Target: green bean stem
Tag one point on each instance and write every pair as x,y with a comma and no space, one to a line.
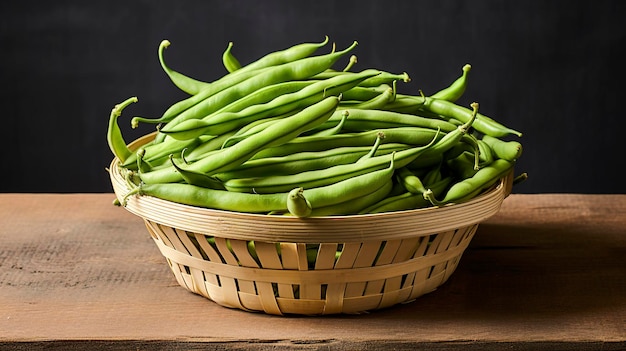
229,60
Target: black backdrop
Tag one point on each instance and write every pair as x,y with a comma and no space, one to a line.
552,69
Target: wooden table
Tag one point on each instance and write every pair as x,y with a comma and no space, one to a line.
548,272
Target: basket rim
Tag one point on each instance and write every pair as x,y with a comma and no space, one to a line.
340,228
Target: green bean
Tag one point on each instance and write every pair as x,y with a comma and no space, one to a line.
353,206
263,95
185,83
184,105
194,195
364,93
295,70
483,124
342,191
410,181
377,102
209,145
225,122
384,78
322,177
407,200
404,135
155,151
115,138
305,161
449,141
195,178
462,165
485,152
470,187
246,132
456,89
255,78
508,150
229,61
366,119
336,129
433,174
276,134
142,165
276,58
297,204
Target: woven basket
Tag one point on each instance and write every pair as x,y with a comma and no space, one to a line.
312,266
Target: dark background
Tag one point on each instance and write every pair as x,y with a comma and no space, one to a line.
553,69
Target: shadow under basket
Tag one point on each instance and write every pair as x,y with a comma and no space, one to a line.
313,266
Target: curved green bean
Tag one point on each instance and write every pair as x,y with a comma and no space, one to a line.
276,134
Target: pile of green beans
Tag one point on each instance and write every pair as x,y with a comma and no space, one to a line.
290,134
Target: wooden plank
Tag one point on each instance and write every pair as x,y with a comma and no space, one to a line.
547,270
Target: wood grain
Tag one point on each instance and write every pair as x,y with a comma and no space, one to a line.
548,271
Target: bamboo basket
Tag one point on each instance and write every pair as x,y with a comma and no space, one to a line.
312,266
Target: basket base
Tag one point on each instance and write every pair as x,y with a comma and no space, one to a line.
308,279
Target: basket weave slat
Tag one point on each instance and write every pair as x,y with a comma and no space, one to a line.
324,265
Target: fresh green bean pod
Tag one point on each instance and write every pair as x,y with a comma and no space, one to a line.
462,165
228,121
194,195
276,58
305,161
195,178
263,95
182,106
253,128
374,103
348,189
322,177
209,145
297,204
364,93
336,129
262,203
407,200
226,91
276,134
508,150
471,187
404,135
384,78
156,151
368,119
483,124
434,154
353,206
486,154
410,181
456,89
